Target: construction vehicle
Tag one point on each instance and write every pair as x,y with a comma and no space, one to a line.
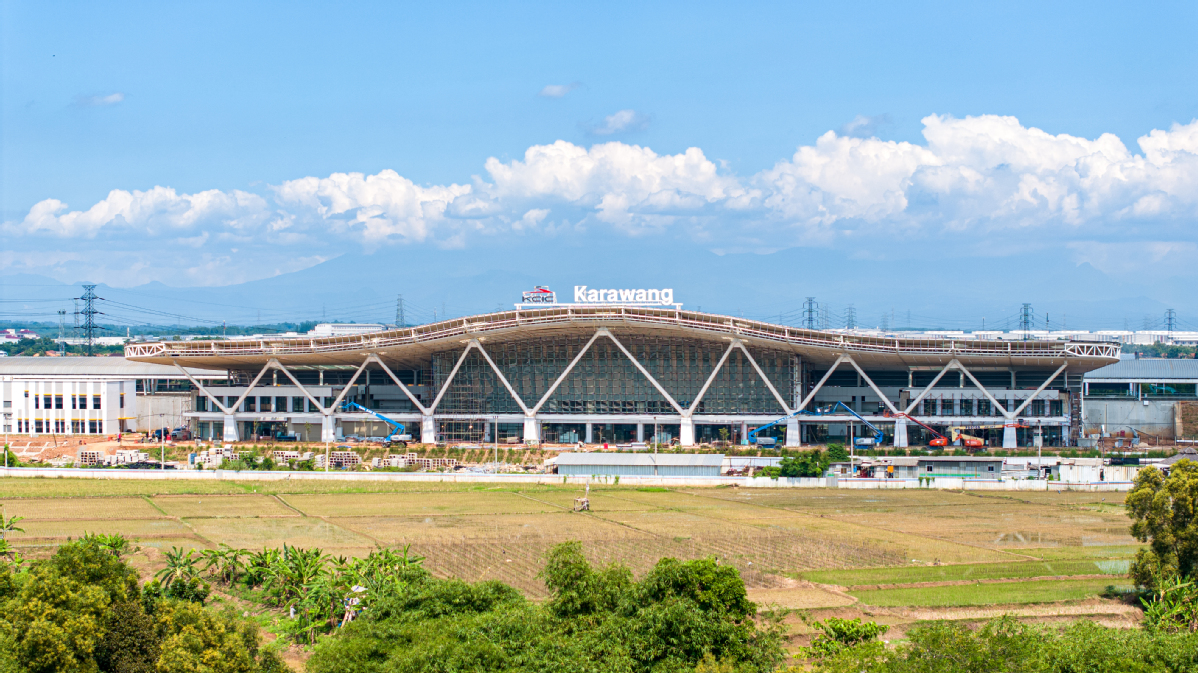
397,436
876,440
819,411
968,441
937,438
766,441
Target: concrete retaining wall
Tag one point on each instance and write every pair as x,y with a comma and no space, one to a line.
949,483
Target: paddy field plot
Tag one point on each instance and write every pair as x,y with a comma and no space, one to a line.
222,506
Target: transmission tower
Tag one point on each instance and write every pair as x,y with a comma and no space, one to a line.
809,313
1025,320
89,317
850,317
399,317
62,331
1170,320
825,318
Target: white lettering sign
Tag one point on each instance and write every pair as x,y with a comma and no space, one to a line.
585,295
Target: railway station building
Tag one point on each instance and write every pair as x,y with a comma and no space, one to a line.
613,369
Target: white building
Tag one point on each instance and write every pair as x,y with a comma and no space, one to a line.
93,396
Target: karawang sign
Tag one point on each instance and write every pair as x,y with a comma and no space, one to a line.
588,295
585,295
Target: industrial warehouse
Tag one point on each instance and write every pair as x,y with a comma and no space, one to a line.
622,367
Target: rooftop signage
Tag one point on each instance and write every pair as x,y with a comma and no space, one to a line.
586,295
539,295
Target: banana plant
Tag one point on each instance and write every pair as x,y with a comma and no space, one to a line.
180,565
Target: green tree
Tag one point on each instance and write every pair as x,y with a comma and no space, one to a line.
194,639
805,464
58,615
130,643
1164,511
577,589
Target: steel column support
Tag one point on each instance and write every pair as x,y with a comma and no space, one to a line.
298,385
502,379
636,363
873,387
562,377
914,403
794,430
781,402
204,390
1020,408
686,431
993,401
328,423
253,384
428,429
532,430
802,405
454,372
711,378
404,388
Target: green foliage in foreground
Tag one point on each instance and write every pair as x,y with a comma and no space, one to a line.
1012,647
82,611
682,615
1165,515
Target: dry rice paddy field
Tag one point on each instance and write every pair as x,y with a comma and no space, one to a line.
893,556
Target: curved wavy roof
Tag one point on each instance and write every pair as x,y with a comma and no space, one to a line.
413,345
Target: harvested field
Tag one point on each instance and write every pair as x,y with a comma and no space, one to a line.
295,531
418,504
61,530
222,506
81,508
67,487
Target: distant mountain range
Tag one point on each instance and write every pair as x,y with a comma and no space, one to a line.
938,292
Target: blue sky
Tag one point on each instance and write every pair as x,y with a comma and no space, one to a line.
245,114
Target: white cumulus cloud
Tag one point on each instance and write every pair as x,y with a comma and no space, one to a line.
976,178
100,100
623,121
157,210
557,90
384,205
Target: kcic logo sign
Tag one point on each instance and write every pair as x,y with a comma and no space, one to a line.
539,295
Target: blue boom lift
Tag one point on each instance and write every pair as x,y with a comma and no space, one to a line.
397,435
859,441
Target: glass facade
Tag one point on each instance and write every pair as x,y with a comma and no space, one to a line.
605,381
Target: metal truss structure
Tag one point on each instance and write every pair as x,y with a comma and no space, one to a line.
632,363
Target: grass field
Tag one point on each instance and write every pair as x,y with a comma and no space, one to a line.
973,571
1007,593
781,540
